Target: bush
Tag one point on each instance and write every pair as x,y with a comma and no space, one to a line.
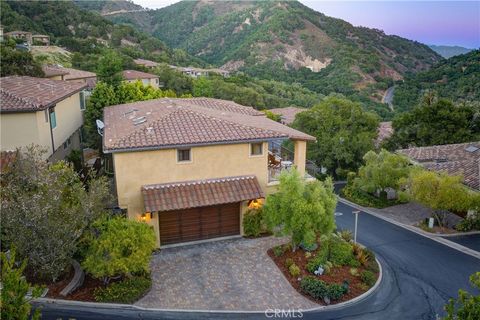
252,223
354,272
127,291
319,289
122,247
468,224
346,235
368,277
341,253
294,270
288,262
278,251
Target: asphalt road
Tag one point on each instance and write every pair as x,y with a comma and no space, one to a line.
420,275
470,241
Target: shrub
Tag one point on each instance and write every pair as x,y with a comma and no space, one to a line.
319,289
354,272
252,223
362,258
128,290
288,262
466,305
346,235
468,224
373,266
308,255
294,270
278,251
368,277
123,246
341,253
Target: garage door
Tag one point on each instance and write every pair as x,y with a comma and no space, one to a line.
199,223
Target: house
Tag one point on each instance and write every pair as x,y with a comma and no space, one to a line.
23,35
40,39
145,78
199,72
192,167
57,72
40,111
455,159
146,63
287,114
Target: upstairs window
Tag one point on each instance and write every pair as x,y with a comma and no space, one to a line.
256,149
184,155
53,118
82,100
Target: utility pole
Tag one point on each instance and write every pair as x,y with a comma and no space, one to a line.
356,224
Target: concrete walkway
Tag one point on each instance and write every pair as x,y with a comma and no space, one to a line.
223,275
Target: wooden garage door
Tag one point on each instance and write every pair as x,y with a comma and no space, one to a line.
199,223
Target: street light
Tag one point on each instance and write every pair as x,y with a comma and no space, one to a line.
356,212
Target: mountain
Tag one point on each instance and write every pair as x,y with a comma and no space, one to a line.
289,41
109,7
457,79
86,32
449,51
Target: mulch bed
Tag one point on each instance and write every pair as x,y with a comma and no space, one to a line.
336,275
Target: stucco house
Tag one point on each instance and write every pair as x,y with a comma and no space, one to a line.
145,78
287,114
57,72
146,63
40,111
191,167
199,72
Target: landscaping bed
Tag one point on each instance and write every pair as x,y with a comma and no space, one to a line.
349,269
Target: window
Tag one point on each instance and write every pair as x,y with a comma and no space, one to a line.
184,155
156,81
146,82
256,149
53,118
82,100
65,145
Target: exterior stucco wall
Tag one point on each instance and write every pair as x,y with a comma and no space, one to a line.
69,119
18,130
154,82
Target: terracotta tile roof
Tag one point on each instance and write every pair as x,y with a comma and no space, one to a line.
28,94
385,131
288,114
200,193
168,123
6,158
136,75
457,159
73,74
146,63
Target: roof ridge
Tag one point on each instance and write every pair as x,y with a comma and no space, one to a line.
194,182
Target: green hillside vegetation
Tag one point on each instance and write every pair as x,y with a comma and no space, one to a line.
107,6
449,51
457,79
280,40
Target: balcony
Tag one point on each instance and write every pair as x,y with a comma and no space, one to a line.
281,157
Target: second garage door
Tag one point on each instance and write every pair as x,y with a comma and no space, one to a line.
199,223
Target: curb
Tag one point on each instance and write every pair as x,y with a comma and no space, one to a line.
434,237
134,307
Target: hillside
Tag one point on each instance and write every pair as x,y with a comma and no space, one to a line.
449,51
286,40
86,32
457,78
108,7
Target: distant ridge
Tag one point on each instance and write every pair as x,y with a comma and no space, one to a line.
449,51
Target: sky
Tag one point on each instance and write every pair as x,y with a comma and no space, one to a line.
429,22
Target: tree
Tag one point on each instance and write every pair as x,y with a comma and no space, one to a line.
45,210
381,171
17,62
109,68
14,305
439,191
119,247
301,209
467,306
434,122
344,133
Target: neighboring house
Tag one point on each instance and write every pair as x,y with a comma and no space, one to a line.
146,63
57,72
287,114
23,35
191,167
199,72
385,131
455,159
145,78
42,112
42,39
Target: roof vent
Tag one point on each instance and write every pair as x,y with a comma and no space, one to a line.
149,130
139,121
130,113
471,149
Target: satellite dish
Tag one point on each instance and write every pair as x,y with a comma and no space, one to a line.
100,127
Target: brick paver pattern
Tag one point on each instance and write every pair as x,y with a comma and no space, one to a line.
234,274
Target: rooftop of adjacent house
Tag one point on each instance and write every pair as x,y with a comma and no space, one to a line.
462,158
69,73
146,63
287,114
385,131
135,75
29,94
168,123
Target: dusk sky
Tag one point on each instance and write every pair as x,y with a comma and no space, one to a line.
430,22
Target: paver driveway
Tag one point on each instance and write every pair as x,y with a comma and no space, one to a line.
232,274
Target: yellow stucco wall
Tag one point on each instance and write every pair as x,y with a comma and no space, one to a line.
23,129
153,82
